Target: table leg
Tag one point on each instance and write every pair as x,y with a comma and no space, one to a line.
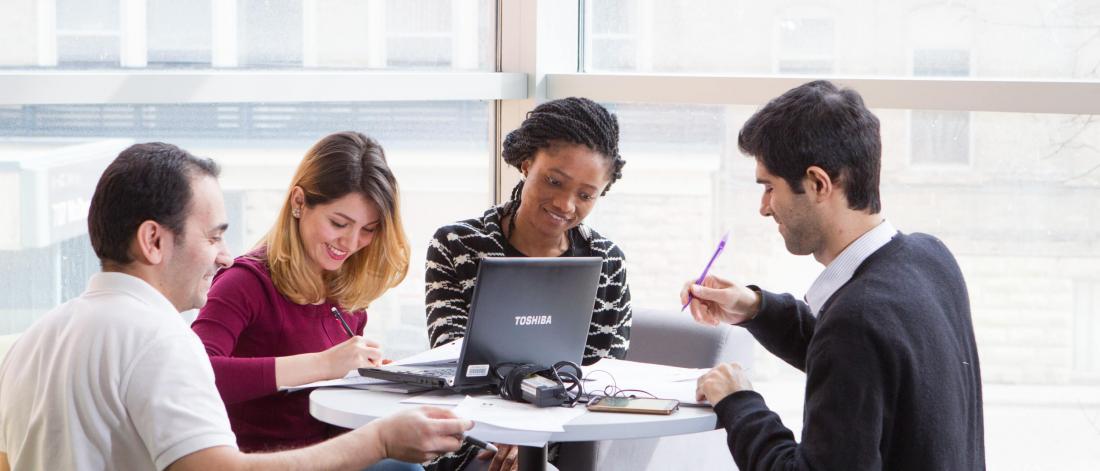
532,458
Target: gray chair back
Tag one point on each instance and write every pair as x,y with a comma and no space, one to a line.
673,338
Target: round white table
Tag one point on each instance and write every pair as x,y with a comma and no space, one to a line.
352,408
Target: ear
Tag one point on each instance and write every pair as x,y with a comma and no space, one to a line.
297,197
149,243
525,166
818,183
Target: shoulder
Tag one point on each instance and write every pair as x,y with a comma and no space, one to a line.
472,235
601,246
487,224
247,273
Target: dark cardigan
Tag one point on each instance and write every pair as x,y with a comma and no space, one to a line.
892,375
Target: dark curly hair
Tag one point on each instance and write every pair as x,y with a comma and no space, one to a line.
572,120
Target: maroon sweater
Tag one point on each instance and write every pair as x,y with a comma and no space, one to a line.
245,325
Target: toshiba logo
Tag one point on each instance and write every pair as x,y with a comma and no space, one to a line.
533,320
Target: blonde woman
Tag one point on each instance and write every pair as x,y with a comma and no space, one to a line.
337,243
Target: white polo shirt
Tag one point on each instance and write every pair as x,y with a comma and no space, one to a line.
113,379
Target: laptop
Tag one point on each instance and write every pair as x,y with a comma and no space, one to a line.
524,310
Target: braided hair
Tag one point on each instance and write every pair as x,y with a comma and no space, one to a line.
572,120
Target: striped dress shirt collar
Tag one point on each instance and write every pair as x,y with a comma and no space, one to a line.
844,266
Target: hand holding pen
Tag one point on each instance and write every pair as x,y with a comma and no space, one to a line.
717,252
355,352
718,300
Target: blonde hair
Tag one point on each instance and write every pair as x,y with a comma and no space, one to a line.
338,165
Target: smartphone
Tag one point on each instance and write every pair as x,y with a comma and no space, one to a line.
640,405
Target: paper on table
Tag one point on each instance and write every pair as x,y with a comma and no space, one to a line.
632,370
494,434
666,382
352,379
447,353
439,397
515,415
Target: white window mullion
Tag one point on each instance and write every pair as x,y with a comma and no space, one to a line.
133,40
376,34
309,33
223,44
464,37
47,33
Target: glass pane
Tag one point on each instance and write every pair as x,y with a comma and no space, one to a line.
1019,211
51,157
256,34
185,47
1039,39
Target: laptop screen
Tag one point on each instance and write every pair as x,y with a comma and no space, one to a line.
528,310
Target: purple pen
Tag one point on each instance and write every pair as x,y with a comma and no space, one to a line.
721,245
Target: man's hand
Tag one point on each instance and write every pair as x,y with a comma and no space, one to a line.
721,381
720,301
505,459
422,434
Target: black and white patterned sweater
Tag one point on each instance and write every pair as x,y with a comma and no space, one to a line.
457,249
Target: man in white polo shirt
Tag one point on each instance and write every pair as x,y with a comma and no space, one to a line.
115,379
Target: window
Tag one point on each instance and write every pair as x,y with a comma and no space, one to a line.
805,46
255,34
610,31
171,46
88,33
1086,329
53,155
940,137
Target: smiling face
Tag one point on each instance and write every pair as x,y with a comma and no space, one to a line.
200,252
799,223
333,231
562,185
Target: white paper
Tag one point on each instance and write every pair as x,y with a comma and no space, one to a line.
440,355
649,372
439,397
665,382
494,434
513,415
352,379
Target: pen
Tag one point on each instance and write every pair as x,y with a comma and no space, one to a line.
336,312
721,245
481,443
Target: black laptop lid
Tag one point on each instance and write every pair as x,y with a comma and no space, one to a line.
528,310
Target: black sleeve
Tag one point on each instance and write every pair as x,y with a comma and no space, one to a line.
847,386
609,331
784,326
445,300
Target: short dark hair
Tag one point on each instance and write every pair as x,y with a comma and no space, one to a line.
572,120
146,182
819,124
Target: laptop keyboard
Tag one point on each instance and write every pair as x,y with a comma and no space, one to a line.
438,371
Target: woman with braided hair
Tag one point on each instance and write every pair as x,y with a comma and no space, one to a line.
568,153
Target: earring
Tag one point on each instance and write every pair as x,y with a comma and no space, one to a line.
296,212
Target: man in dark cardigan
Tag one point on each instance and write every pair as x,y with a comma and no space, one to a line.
884,335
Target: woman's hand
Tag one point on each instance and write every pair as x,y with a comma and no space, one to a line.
505,459
353,353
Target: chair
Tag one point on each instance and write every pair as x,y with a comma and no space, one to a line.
671,338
